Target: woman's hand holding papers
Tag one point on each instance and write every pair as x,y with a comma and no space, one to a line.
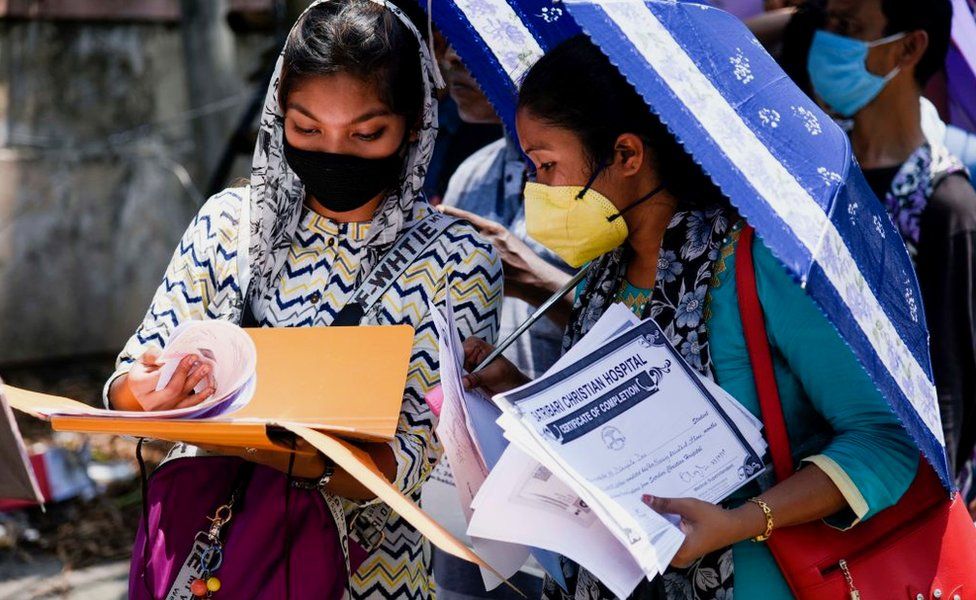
137,389
498,377
708,527
807,495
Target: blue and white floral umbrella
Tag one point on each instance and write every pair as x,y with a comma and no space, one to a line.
499,41
784,164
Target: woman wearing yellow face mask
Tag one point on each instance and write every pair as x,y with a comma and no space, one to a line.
613,188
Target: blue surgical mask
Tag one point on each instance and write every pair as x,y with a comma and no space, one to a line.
839,73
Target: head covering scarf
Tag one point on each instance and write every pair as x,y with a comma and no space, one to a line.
277,194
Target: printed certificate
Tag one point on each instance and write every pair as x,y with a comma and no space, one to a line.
632,418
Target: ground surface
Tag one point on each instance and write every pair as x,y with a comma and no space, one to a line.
77,549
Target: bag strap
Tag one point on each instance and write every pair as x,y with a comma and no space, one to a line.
394,263
760,357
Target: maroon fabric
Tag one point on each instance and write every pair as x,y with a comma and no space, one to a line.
183,492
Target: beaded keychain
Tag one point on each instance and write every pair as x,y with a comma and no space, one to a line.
211,554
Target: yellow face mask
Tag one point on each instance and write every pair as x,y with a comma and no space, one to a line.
577,223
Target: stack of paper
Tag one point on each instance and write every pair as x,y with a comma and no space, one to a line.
455,430
620,416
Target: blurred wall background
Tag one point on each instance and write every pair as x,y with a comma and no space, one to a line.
116,117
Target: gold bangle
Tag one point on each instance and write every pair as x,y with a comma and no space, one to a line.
768,513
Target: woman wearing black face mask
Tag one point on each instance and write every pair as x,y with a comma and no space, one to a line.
345,138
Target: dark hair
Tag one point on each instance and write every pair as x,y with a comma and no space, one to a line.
935,18
575,87
363,39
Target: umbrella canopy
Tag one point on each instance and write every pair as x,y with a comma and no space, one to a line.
782,162
743,9
499,41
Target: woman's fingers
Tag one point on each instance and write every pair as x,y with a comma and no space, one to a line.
175,385
483,225
683,507
472,381
195,399
475,351
177,391
686,554
197,374
499,375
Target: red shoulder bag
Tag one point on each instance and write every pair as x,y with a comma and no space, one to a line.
922,548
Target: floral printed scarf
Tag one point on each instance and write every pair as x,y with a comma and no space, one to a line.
912,187
691,247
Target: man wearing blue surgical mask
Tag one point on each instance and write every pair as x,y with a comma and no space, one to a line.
869,63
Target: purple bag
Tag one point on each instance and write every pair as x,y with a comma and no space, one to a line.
268,551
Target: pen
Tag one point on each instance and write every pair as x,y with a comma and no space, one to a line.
545,306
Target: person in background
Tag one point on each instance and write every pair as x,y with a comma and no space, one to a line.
486,190
457,137
869,63
959,142
462,129
788,34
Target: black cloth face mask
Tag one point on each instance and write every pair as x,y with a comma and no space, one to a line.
342,182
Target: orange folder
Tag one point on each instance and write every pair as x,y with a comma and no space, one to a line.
319,383
347,381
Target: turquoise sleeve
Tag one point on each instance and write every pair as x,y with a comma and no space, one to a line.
871,457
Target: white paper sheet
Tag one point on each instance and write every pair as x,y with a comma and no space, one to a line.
461,450
524,503
616,320
651,558
220,344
